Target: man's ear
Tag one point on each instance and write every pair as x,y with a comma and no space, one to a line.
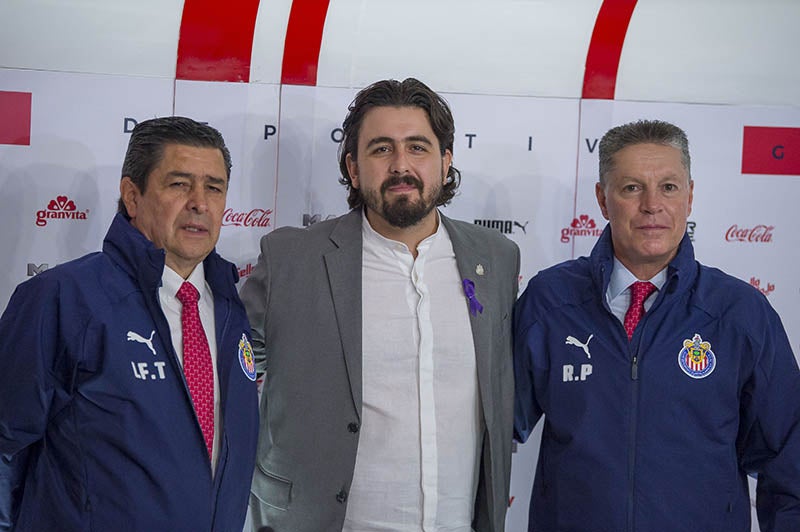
352,169
600,193
129,194
447,161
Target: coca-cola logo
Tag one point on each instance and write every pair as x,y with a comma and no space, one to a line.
580,226
252,218
759,233
767,289
60,208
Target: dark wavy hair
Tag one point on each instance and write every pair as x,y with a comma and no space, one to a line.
392,93
642,132
148,139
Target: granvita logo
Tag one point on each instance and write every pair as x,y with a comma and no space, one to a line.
580,226
61,208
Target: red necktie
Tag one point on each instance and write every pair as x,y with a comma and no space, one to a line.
640,290
197,362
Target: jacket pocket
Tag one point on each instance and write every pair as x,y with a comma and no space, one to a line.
271,489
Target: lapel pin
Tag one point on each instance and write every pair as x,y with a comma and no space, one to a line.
475,306
479,269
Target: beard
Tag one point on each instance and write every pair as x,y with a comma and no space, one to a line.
405,210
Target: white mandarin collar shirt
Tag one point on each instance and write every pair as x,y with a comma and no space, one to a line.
421,433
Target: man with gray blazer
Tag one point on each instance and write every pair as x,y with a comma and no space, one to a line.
385,338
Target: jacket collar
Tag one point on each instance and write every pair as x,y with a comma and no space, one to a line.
141,260
347,231
681,271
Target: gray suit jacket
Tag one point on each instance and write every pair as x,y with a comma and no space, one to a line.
304,304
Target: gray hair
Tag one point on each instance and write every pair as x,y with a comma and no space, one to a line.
642,132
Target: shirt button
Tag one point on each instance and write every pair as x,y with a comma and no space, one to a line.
352,427
341,496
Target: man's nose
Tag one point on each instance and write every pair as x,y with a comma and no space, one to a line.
399,162
198,199
651,201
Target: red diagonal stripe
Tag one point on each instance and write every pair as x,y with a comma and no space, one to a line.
15,118
216,40
605,49
303,42
771,150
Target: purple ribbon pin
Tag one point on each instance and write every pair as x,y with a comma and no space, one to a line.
475,306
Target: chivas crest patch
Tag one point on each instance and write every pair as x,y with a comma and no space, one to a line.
246,358
696,359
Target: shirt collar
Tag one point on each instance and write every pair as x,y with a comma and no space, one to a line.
622,278
375,240
172,282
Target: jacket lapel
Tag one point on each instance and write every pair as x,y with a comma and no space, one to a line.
471,260
343,265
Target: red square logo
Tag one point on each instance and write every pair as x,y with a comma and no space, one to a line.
15,118
771,150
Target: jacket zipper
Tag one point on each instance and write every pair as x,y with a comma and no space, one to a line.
634,422
632,438
222,459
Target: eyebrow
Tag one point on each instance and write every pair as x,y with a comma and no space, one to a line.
412,138
667,177
215,180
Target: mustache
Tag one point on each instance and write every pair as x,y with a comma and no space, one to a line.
401,180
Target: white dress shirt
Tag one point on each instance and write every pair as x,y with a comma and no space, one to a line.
170,284
618,293
421,433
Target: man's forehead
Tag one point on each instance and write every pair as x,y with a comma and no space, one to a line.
663,154
382,115
176,158
177,152
396,122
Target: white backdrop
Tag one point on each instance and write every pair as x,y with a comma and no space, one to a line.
525,139
528,164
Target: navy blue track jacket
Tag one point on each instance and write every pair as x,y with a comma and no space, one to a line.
98,432
657,434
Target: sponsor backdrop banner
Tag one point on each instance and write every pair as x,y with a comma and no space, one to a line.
247,116
528,164
59,185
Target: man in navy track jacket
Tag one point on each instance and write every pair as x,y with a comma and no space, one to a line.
663,382
107,420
